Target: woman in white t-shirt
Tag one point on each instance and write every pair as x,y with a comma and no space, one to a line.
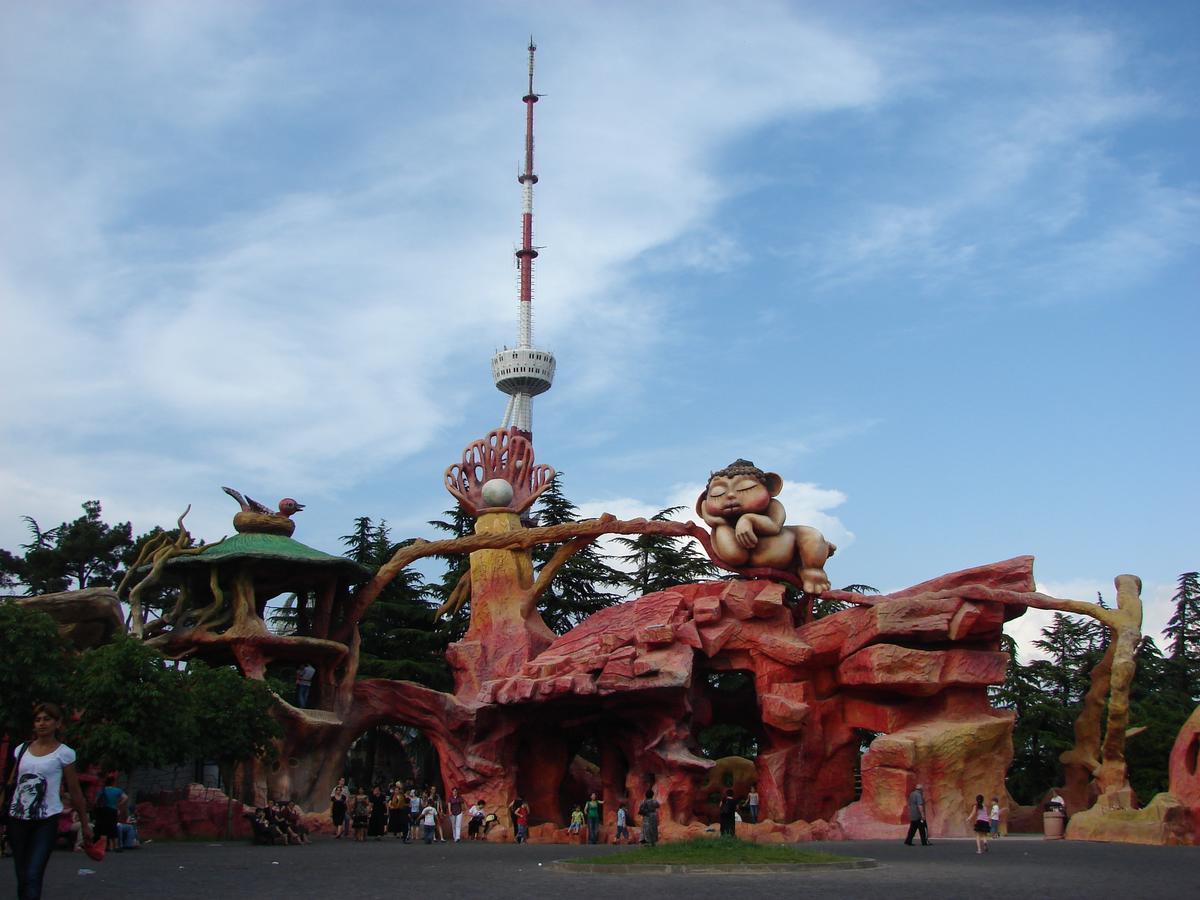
44,764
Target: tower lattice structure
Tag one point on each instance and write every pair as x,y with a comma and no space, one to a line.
524,372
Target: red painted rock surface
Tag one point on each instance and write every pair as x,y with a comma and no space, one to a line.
1185,763
635,681
638,682
203,813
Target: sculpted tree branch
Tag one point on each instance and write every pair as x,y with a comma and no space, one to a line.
158,551
458,596
532,537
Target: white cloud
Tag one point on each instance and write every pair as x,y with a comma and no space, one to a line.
177,289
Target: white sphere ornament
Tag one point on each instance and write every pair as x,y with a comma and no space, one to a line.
496,492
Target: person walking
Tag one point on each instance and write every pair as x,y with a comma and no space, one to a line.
42,767
982,827
622,824
648,810
729,807
592,811
916,817
455,806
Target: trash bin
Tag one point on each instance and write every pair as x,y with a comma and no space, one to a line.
1054,824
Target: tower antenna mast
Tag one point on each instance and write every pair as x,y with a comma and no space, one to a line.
524,372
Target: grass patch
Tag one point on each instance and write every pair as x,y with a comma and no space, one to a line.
711,851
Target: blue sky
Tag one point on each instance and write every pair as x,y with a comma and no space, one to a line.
935,263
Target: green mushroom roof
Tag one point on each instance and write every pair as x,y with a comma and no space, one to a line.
273,548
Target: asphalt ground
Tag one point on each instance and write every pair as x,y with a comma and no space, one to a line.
1015,868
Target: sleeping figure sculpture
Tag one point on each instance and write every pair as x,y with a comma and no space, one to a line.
739,506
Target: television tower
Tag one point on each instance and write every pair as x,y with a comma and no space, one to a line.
525,371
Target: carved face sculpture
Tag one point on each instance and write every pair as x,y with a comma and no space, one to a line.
739,489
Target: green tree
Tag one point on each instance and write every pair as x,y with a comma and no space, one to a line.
1183,631
1043,728
456,523
132,708
230,720
400,638
86,552
35,666
1158,703
579,588
659,561
1069,643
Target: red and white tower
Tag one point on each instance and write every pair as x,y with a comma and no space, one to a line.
525,371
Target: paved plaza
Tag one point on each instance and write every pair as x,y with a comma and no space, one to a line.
1015,868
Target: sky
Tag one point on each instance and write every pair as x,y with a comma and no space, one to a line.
934,263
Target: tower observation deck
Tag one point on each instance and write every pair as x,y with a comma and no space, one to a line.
524,371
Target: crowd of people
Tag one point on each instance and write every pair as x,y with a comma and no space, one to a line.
278,823
407,814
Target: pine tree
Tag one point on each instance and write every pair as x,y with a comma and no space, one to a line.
659,561
1157,703
1070,644
1183,631
579,587
400,639
1043,728
457,523
85,552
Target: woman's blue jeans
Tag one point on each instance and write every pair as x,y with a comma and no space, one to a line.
593,830
32,840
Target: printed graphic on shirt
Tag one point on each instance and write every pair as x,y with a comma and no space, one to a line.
29,799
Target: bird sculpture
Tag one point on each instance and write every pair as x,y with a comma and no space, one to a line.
255,518
287,506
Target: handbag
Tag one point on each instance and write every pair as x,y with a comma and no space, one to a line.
10,786
95,850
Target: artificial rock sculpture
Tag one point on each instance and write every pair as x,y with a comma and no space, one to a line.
904,675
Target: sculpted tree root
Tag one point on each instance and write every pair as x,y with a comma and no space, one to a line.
157,552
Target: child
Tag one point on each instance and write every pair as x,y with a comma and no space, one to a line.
522,822
994,817
622,823
576,820
979,815
475,820
429,821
